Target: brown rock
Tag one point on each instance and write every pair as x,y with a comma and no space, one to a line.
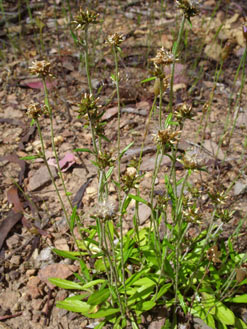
33,288
62,271
41,177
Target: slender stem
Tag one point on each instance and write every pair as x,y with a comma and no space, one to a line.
175,50
87,62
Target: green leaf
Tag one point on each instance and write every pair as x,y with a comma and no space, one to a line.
125,150
67,254
237,299
83,150
148,79
109,172
84,270
30,157
126,204
72,219
103,313
100,325
164,288
138,198
240,324
146,306
224,314
93,283
65,284
74,306
99,297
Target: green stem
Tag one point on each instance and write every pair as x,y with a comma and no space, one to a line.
175,50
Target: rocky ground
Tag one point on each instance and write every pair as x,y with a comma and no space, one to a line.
217,136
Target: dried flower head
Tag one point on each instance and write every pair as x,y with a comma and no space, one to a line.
163,57
34,111
183,111
192,162
105,210
85,18
41,68
191,214
105,159
115,39
167,136
213,254
189,7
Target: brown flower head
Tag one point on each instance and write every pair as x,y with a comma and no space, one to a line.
167,136
41,68
163,57
183,111
189,7
34,111
115,39
85,18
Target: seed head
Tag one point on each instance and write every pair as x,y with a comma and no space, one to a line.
85,18
163,57
189,7
115,39
105,210
167,136
183,111
34,111
41,68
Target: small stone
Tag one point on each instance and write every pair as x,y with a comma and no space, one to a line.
30,272
41,177
240,188
37,304
15,260
33,288
61,244
144,213
13,242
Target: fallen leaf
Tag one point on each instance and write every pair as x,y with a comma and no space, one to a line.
38,84
7,224
13,198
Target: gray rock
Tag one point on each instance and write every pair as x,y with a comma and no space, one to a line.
41,177
149,163
240,188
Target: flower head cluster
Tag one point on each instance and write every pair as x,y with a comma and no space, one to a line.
189,7
183,111
88,105
192,162
163,57
104,159
85,18
167,137
41,68
34,111
213,254
115,39
105,210
130,179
